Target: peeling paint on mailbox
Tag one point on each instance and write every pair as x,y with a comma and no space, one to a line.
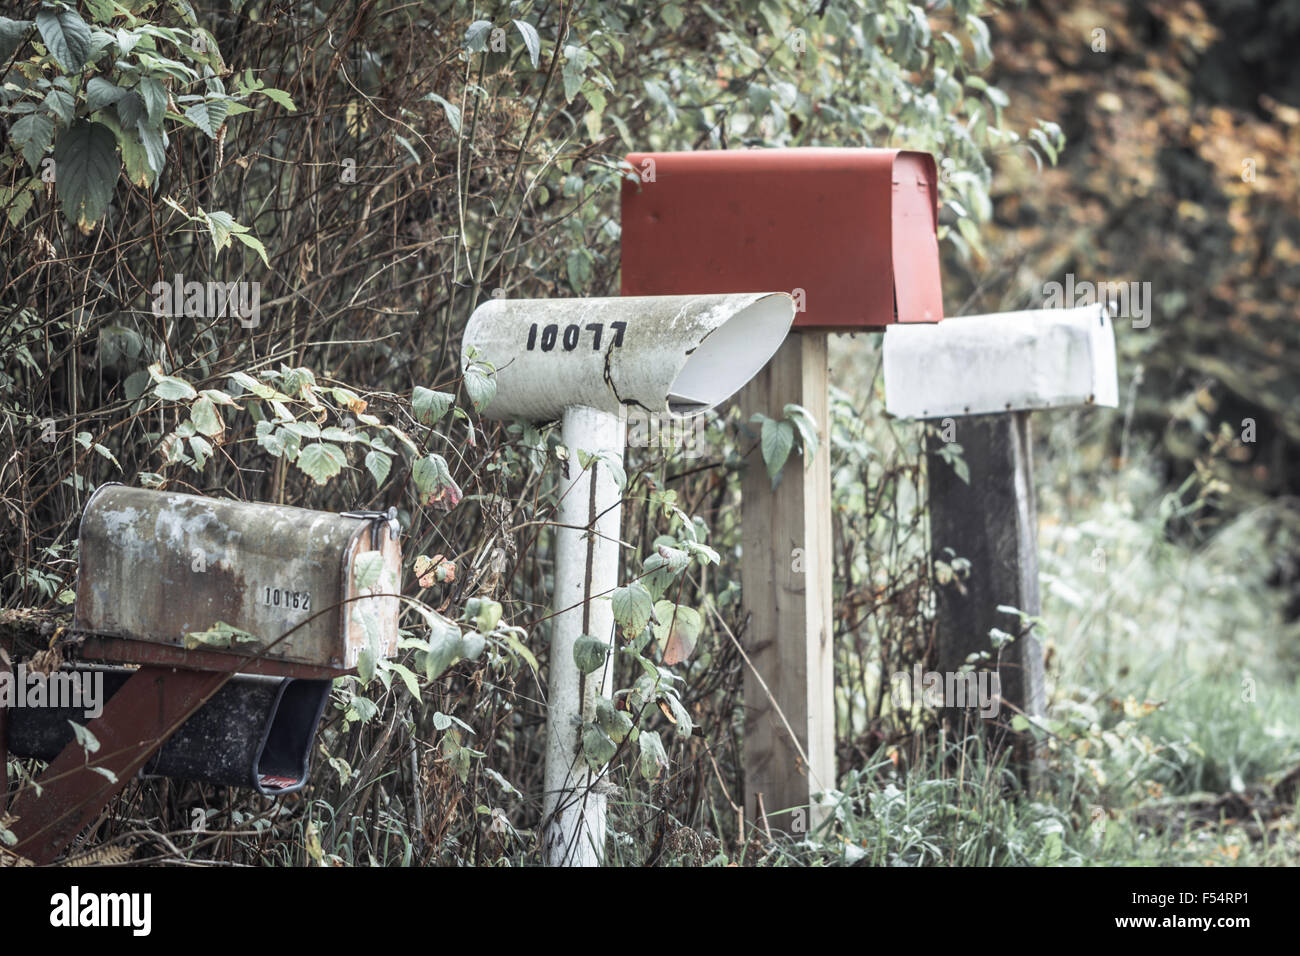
156,566
851,233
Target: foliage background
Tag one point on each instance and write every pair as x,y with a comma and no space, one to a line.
398,163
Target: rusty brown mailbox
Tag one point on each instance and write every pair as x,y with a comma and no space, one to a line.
850,233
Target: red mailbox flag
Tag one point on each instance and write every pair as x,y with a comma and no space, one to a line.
851,233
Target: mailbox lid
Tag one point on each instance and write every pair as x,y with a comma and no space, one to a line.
156,565
855,229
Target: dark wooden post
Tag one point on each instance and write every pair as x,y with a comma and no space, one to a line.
992,523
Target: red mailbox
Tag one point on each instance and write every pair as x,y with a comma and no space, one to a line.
851,233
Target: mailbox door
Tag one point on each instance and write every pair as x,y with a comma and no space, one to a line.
851,233
156,566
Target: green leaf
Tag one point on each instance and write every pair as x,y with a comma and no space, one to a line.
807,425
616,723
633,607
280,97
484,612
66,36
255,244
589,653
378,464
206,418
405,674
777,440
597,748
33,134
170,388
86,169
12,35
575,70
444,648
154,95
654,760
451,110
208,115
88,741
154,141
430,406
100,93
480,385
472,646
321,461
682,723
531,40
219,634
476,36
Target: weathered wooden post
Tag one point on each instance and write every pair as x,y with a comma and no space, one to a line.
981,376
851,234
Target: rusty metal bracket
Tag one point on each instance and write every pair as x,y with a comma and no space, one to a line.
76,786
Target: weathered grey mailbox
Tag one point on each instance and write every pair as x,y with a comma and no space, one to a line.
238,616
157,566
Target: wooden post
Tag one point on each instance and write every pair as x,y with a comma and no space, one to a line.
786,596
992,523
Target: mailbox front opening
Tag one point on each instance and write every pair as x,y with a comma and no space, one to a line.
730,356
255,732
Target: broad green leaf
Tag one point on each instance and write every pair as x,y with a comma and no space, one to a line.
85,739
807,426
484,612
430,406
589,653
170,388
280,97
777,439
450,110
12,35
206,418
654,760
444,649
476,36
154,142
616,723
208,116
321,461
86,162
378,464
472,646
66,36
32,134
154,95
101,92
433,481
632,608
480,385
531,40
404,672
597,748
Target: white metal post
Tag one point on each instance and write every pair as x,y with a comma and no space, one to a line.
586,565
